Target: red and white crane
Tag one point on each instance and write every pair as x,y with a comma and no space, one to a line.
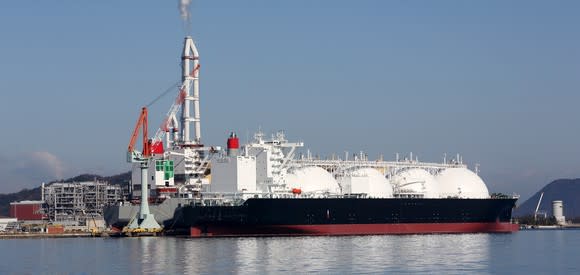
177,132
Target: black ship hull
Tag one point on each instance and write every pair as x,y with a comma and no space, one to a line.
350,216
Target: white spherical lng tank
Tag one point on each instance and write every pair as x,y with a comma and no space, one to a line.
416,181
366,181
311,179
462,183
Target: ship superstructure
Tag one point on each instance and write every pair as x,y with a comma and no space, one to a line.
268,168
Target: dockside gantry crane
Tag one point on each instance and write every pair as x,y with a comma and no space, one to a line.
145,222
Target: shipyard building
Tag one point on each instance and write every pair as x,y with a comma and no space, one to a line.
78,203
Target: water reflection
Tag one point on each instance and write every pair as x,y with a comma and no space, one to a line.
528,252
355,254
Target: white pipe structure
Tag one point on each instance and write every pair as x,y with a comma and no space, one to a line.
190,77
538,206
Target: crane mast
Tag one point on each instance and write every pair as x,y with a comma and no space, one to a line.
190,77
188,152
183,134
187,97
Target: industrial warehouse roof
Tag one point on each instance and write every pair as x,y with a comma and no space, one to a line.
27,202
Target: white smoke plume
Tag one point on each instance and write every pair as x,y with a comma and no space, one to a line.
49,162
184,9
28,170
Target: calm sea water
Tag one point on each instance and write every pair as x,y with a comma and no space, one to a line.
547,252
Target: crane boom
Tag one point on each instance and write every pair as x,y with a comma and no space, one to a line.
132,154
539,201
538,206
175,107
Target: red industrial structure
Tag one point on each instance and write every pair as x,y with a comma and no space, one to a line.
27,210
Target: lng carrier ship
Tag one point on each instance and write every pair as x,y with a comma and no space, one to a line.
265,187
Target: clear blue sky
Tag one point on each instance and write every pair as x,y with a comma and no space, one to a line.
497,81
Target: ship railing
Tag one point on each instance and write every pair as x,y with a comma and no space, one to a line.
221,198
236,199
504,196
376,164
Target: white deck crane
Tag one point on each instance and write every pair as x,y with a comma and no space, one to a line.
188,94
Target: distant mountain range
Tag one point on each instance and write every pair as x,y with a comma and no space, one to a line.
35,193
565,190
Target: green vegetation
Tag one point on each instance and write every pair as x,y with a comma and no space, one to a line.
540,220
